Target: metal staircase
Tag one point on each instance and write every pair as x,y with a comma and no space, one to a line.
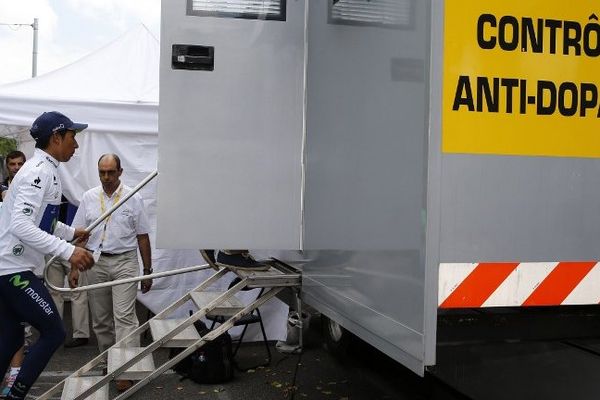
137,363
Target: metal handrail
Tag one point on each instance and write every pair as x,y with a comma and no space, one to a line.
97,222
128,280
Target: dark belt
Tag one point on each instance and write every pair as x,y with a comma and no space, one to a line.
104,254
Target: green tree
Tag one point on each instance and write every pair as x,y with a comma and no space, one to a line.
7,145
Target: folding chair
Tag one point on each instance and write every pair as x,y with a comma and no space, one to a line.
252,318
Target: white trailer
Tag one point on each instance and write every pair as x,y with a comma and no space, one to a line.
415,154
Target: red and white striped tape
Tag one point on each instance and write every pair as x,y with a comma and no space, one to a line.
510,284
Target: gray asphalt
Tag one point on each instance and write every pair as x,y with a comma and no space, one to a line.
363,374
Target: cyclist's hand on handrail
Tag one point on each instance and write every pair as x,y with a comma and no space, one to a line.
81,259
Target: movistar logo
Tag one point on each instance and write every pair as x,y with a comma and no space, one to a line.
17,282
22,284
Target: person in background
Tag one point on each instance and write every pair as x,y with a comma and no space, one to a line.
57,271
14,161
35,191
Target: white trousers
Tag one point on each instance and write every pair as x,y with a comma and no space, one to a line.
113,308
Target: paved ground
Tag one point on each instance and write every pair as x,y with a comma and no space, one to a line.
364,375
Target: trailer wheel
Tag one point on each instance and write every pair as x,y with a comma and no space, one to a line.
336,338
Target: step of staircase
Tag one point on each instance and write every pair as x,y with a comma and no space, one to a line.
277,275
120,355
229,307
275,278
75,386
161,327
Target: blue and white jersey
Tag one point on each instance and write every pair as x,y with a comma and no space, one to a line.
29,227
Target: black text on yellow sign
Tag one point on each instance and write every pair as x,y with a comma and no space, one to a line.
519,82
512,95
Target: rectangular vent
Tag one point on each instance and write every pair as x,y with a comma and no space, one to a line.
249,9
388,13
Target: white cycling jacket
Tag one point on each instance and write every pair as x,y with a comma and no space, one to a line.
29,228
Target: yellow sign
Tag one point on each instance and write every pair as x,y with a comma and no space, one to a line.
522,78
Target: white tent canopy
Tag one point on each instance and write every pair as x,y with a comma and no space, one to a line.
115,91
121,77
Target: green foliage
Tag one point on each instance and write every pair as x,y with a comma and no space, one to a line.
7,145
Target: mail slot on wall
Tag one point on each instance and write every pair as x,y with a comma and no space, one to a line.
193,57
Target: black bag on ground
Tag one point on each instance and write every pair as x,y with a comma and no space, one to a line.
211,363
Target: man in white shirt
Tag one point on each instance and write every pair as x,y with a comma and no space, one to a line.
115,241
34,197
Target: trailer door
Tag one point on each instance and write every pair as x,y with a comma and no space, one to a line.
231,123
